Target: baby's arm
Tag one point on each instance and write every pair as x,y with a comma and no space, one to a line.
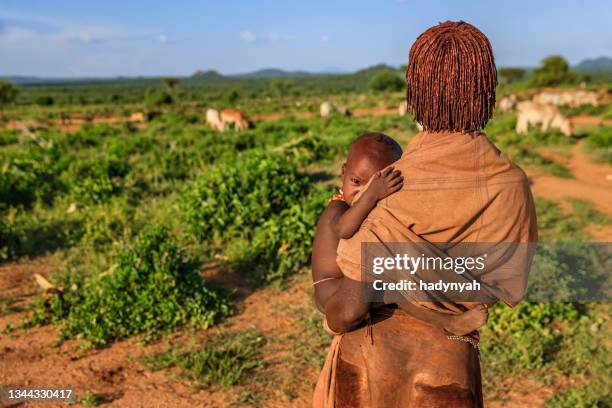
383,183
326,275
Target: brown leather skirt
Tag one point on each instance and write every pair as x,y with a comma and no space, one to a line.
399,361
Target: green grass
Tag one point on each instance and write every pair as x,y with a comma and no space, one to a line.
225,360
522,149
599,143
586,212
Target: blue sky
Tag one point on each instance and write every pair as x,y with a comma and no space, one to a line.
66,38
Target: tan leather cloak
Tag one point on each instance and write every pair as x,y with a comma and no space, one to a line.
458,188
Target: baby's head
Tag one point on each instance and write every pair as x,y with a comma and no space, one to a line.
370,152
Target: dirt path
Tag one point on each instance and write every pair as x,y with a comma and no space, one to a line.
592,182
590,121
115,375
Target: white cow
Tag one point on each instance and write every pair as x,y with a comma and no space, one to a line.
572,98
328,108
507,103
402,108
546,115
213,119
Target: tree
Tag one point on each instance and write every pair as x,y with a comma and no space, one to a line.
171,83
230,98
8,95
44,100
281,87
156,97
511,74
553,70
386,81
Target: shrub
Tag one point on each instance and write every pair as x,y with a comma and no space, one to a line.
282,244
8,137
8,94
153,289
97,179
44,101
527,336
231,198
386,81
28,176
309,150
600,142
156,97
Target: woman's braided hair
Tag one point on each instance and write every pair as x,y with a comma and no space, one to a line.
451,78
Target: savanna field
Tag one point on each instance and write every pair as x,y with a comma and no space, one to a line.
149,260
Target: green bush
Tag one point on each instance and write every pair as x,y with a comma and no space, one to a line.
97,179
28,176
44,101
282,244
156,98
8,137
228,198
310,149
386,81
153,289
527,336
600,142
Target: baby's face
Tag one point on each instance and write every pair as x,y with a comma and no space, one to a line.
356,172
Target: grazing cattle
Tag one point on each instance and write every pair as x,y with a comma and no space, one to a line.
545,115
571,98
328,108
402,108
137,117
507,103
213,119
236,117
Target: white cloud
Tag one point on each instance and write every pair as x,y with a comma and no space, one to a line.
10,35
325,38
31,27
30,43
276,37
247,36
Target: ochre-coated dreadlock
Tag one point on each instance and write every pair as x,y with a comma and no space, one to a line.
451,78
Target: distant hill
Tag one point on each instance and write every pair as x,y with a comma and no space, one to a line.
32,80
273,73
375,69
598,68
210,75
596,64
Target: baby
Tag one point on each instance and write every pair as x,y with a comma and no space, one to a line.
370,157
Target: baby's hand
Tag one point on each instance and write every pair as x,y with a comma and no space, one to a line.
385,182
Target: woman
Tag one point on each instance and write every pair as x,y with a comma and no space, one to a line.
458,188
